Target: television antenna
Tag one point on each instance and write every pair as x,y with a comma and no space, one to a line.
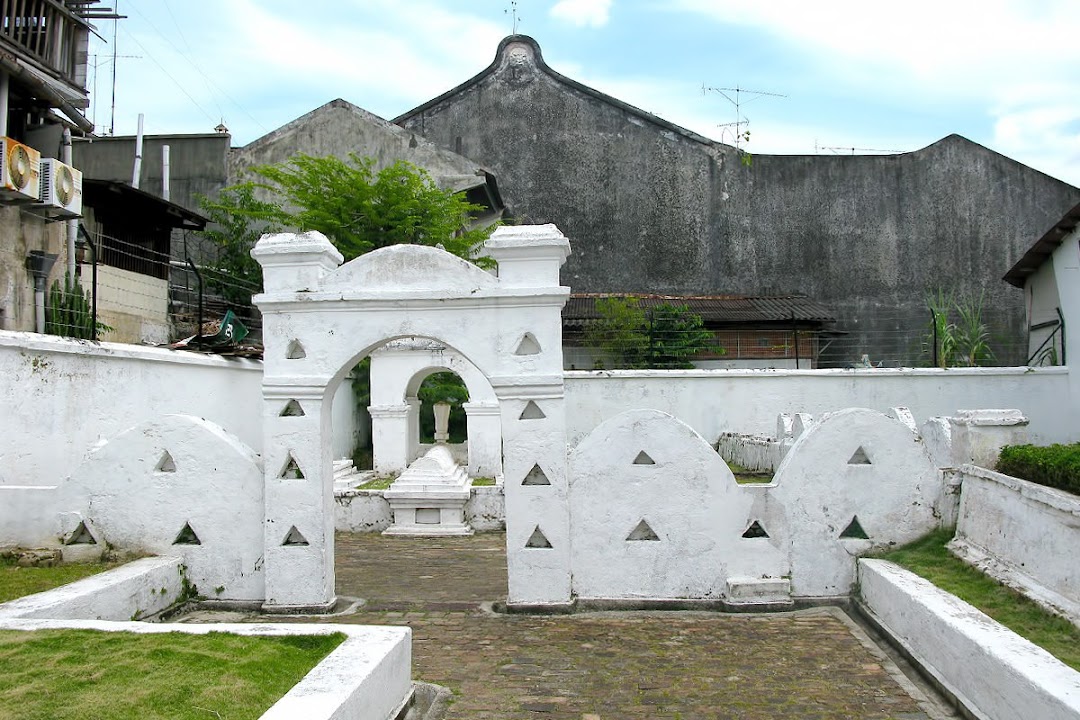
735,96
512,11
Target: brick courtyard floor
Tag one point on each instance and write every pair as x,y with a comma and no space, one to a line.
606,666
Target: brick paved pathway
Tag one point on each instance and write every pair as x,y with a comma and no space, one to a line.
609,666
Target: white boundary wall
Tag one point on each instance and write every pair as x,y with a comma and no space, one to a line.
748,401
994,672
62,397
1023,534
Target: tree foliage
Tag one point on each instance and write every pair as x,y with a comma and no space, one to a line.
237,220
631,337
361,210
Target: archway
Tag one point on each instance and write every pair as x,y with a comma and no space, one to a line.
320,319
399,371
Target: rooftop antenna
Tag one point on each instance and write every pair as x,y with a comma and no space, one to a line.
735,97
837,149
512,12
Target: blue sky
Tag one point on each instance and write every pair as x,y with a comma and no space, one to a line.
865,75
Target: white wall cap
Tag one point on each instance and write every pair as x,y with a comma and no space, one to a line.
281,245
989,417
408,266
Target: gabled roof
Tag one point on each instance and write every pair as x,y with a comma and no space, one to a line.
1043,248
580,309
501,56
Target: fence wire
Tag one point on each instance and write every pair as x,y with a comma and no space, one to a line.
143,295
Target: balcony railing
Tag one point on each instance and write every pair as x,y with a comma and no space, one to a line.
47,32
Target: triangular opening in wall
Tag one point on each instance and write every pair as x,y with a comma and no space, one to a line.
755,531
166,463
292,409
532,411
295,351
854,530
859,458
187,536
294,538
642,532
291,470
644,459
528,346
81,536
537,540
536,476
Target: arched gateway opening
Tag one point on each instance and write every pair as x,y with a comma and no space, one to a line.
320,319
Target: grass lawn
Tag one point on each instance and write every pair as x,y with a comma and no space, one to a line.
15,582
930,558
48,674
379,483
749,477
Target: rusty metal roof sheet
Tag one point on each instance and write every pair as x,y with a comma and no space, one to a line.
713,309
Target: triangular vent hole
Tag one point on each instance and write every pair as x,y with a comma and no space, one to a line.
536,476
537,540
187,536
291,471
294,538
755,531
292,409
295,351
81,536
642,532
643,459
855,530
166,463
859,458
532,411
528,346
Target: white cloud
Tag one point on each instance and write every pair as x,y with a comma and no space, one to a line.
583,13
1016,60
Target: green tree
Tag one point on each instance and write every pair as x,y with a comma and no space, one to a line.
237,220
630,337
675,335
360,210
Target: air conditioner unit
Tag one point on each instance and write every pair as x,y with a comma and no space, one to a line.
61,191
20,166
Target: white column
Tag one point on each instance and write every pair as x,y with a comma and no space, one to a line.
484,423
390,437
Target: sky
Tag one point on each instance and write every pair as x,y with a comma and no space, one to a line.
825,77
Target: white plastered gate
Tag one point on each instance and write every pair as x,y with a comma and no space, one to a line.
320,319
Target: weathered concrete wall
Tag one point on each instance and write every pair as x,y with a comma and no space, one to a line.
20,234
339,128
63,396
992,671
651,207
197,163
748,401
1023,534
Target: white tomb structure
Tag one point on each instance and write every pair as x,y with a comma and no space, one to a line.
429,498
397,371
320,320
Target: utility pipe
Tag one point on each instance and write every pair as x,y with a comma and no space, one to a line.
72,225
5,85
165,172
138,155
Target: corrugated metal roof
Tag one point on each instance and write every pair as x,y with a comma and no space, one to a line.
713,309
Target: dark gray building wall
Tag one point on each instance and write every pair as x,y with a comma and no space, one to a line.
197,163
652,207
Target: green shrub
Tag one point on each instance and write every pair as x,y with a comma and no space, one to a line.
1056,466
69,311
